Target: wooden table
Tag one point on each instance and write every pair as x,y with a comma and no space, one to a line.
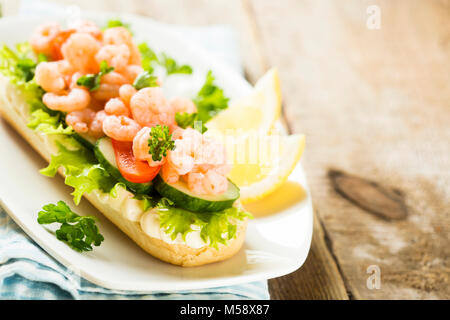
373,102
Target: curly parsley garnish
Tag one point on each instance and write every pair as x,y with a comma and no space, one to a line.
79,232
160,142
145,80
92,81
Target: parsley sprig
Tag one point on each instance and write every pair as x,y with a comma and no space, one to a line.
160,142
79,232
92,81
145,80
150,59
210,100
172,66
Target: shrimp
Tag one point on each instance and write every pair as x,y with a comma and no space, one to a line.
116,56
114,78
141,150
43,37
211,155
147,104
191,138
76,99
80,120
116,107
126,92
106,92
74,78
181,158
169,174
51,75
120,128
96,126
120,35
215,183
195,182
80,50
131,72
83,26
183,105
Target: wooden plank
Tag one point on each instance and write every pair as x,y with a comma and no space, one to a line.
374,103
319,278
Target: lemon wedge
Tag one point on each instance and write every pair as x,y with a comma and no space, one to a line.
261,164
262,158
256,112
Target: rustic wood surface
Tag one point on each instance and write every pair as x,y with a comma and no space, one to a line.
373,103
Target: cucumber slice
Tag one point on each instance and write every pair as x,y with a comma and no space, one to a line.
183,198
104,152
85,140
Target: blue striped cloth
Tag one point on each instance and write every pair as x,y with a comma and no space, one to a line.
28,272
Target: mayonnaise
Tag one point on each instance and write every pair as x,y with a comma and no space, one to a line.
131,209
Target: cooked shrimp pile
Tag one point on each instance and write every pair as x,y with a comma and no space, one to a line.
116,109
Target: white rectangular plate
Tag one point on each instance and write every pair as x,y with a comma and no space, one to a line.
276,244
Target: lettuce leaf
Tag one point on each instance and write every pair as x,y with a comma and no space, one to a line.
215,227
210,100
82,171
19,66
150,59
42,121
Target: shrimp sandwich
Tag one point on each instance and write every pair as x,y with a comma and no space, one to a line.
88,100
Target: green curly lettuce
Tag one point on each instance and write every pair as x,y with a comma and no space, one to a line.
81,169
215,227
42,121
19,66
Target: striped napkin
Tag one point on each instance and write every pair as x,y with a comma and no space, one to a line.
28,272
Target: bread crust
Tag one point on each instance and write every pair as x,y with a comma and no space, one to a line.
177,254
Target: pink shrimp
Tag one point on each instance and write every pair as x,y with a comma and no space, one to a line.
183,105
80,120
76,99
215,183
195,182
114,78
169,174
181,158
120,35
131,72
116,107
147,104
126,92
106,92
51,76
141,150
120,128
83,26
211,155
192,140
80,50
74,78
116,56
96,126
42,39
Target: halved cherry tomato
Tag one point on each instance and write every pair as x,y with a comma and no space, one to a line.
131,169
